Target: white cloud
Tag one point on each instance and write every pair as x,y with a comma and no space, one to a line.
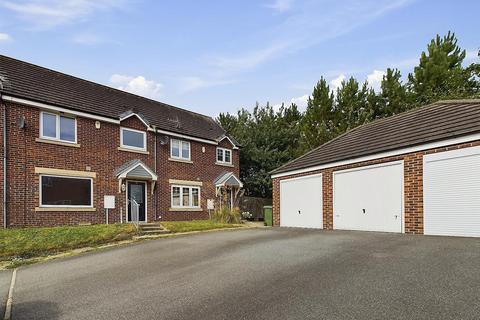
375,78
301,103
50,13
5,37
471,56
280,5
137,85
337,82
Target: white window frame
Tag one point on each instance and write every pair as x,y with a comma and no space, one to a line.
223,155
57,127
190,195
122,145
180,146
64,206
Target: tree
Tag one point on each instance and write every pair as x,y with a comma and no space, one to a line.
440,73
352,107
393,94
269,138
318,123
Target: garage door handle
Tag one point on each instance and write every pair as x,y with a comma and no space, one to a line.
299,212
363,210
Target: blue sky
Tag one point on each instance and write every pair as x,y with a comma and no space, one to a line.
218,56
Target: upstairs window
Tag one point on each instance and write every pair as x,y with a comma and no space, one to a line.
224,155
57,127
133,139
179,149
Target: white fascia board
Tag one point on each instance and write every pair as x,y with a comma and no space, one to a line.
58,109
178,135
136,115
95,117
233,144
376,156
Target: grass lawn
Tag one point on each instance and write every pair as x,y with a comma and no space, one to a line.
33,242
196,225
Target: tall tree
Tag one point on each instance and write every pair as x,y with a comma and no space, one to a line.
318,123
393,94
352,106
440,73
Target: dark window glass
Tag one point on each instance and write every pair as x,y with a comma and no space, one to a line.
60,191
67,129
49,125
133,139
219,155
228,156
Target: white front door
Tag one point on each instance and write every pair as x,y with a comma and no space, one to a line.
451,191
369,198
301,202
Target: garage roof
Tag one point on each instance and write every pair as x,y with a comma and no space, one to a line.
438,121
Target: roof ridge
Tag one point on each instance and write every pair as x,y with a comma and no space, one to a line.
366,124
105,86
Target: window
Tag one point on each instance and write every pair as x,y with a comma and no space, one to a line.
133,139
57,127
224,155
185,197
180,149
56,191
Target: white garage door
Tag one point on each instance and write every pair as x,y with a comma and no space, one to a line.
451,191
369,198
301,202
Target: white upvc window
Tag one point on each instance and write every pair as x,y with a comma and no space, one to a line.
224,155
133,139
58,127
66,192
180,149
185,196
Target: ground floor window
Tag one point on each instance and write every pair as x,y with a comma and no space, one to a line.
185,197
59,191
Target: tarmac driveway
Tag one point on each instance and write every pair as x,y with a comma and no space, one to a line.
260,274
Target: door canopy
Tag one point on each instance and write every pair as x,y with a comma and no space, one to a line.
136,170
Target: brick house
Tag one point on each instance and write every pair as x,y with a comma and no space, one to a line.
67,143
415,172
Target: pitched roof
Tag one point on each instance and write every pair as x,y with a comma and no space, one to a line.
438,121
24,80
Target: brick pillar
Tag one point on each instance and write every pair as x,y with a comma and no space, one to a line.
327,188
413,191
276,202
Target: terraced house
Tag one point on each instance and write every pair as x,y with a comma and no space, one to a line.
67,143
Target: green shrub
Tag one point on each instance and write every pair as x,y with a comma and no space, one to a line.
227,215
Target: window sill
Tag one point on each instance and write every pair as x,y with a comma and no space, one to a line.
185,209
69,209
180,160
132,150
224,164
60,143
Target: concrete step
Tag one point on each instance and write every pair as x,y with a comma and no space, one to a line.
162,231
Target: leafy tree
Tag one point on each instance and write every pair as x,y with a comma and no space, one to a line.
269,138
440,74
318,123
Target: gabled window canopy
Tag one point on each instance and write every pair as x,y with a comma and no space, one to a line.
131,113
234,142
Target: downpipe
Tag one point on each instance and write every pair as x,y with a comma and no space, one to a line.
4,109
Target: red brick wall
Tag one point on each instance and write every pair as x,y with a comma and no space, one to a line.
413,187
99,152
